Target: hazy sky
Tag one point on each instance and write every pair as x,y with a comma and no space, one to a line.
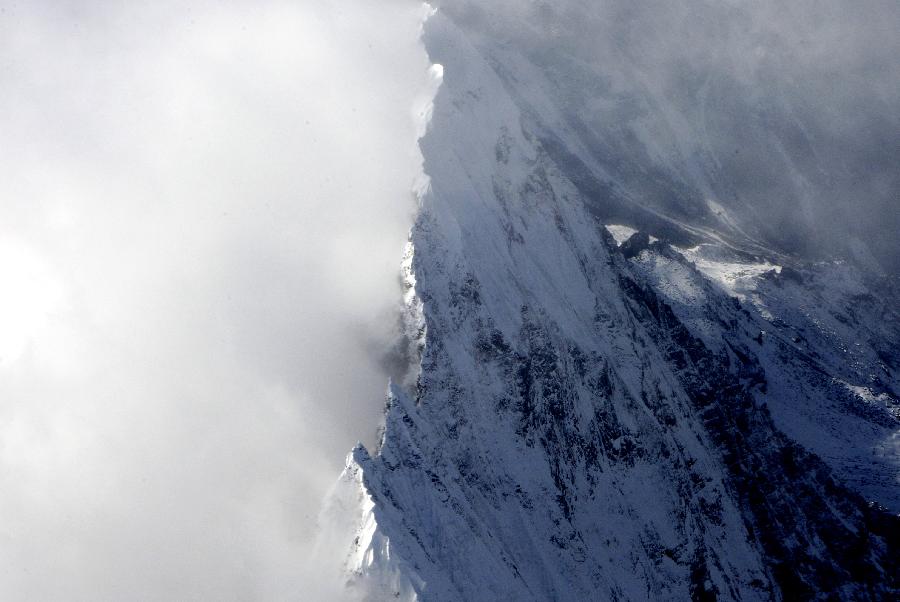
203,208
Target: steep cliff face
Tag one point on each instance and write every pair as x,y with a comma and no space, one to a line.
596,416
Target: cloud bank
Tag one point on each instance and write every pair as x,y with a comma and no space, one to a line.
202,214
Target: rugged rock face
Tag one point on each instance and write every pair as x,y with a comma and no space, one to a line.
665,418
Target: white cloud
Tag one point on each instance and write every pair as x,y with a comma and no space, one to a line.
201,217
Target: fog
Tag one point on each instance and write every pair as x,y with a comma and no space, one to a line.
785,114
203,208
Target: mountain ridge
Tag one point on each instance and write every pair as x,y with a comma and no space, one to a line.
584,420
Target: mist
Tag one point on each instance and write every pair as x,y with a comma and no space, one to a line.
787,115
203,208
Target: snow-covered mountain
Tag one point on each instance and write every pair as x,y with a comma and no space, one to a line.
617,388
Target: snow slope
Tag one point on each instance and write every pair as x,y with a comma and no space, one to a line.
593,419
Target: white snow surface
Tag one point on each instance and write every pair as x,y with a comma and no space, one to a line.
737,278
620,233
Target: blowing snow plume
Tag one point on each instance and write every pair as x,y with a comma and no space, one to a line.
770,121
202,213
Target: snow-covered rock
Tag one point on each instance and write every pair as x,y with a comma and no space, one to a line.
595,417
